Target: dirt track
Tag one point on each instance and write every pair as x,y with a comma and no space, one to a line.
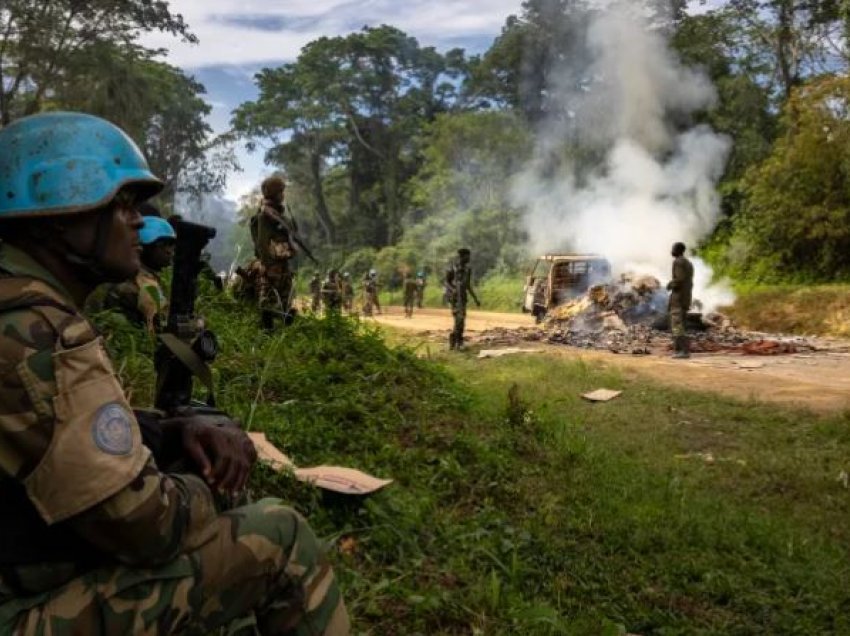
820,382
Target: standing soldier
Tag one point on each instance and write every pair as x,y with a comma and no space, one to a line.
347,293
332,292
142,299
420,289
370,293
316,292
410,288
681,291
273,231
459,287
96,538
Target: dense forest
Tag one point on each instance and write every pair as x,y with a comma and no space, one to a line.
397,153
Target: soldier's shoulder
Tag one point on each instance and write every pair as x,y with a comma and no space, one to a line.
23,333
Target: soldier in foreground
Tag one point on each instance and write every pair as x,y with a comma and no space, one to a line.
142,299
458,287
681,291
409,288
95,538
273,233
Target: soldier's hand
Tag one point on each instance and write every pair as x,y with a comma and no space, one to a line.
222,452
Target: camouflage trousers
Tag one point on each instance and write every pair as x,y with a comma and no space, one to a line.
264,572
678,314
275,287
409,304
456,338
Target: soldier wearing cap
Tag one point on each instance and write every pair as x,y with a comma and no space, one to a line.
458,283
96,538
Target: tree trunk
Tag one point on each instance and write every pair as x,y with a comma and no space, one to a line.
322,213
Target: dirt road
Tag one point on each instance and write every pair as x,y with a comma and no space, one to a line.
819,381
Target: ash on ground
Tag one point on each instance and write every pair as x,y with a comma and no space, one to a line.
630,317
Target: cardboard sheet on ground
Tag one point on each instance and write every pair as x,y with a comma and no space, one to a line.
511,351
346,481
602,395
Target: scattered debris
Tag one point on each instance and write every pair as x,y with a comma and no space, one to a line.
602,395
709,458
499,353
346,481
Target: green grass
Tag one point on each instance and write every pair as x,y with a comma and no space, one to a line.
496,293
822,310
520,509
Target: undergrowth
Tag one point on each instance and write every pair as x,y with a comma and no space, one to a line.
517,508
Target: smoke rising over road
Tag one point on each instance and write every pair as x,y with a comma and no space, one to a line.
630,104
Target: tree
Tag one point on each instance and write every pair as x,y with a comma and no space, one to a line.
41,42
795,38
796,218
356,101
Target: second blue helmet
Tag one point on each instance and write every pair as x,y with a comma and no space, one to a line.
154,229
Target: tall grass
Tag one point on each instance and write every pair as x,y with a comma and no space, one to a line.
518,508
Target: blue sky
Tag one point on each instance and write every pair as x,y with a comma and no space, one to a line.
239,37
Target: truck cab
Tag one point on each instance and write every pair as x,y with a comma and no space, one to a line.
558,278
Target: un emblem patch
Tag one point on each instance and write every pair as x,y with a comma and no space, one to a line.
112,430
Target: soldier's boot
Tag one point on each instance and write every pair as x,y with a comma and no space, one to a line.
682,348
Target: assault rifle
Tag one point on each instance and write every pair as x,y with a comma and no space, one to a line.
186,347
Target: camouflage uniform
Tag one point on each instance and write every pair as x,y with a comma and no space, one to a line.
275,249
315,293
95,538
370,295
681,291
420,291
142,300
347,294
247,282
410,289
332,293
459,287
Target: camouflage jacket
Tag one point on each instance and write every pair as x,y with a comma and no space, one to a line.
458,282
78,488
274,230
142,300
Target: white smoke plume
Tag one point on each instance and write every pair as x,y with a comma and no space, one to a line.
656,184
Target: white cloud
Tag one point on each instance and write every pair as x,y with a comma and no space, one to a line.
227,38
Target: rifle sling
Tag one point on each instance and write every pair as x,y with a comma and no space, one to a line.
190,359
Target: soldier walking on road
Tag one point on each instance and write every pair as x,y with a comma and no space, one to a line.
409,288
420,289
370,293
681,291
459,286
273,230
102,533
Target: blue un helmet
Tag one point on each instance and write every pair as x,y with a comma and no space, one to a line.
66,163
154,229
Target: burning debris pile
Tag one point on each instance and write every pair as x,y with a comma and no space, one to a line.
630,316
